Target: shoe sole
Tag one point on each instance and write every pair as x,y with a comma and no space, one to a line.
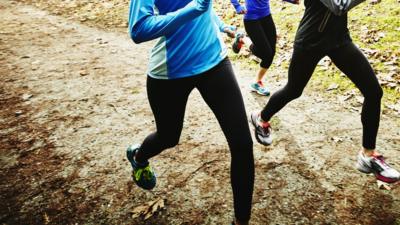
260,93
386,179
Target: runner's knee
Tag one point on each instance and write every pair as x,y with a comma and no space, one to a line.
379,92
168,140
266,55
242,147
374,93
172,142
293,92
266,63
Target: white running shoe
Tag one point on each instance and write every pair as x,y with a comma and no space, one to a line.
376,164
262,131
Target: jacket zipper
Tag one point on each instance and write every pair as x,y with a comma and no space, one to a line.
324,21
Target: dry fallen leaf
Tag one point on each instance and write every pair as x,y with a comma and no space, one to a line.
140,210
46,218
383,185
148,209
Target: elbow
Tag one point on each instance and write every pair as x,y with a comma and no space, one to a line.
137,35
136,38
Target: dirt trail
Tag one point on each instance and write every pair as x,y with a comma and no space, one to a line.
73,97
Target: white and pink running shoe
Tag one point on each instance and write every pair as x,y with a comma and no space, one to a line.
376,164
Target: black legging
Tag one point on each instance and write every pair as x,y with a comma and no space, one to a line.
262,33
350,60
220,90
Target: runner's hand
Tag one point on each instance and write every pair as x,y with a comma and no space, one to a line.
241,10
230,31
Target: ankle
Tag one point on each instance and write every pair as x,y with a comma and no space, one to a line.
261,121
139,162
369,152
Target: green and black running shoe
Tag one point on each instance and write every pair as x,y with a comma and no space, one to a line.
142,173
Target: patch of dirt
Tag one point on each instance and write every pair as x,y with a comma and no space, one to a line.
32,190
73,97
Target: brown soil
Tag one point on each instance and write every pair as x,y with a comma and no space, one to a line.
73,97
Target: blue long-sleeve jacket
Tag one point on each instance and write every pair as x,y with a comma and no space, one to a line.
189,36
256,9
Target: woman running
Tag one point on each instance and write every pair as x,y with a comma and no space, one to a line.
190,54
261,30
323,32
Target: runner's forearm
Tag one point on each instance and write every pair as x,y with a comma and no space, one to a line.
144,25
221,25
237,5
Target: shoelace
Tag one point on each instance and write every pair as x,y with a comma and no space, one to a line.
146,172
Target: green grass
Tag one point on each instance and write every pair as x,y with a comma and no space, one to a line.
367,22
